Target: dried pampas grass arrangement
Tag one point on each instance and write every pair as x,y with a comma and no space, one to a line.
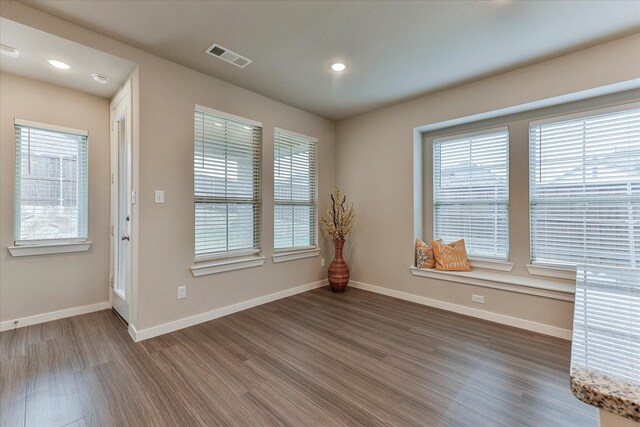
339,217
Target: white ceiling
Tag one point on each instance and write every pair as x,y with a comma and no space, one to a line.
395,50
36,47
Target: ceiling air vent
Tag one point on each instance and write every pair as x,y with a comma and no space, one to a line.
228,55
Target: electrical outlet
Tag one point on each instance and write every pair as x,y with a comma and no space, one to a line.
323,262
182,292
477,298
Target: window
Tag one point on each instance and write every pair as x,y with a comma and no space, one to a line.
471,192
584,189
295,190
51,184
227,181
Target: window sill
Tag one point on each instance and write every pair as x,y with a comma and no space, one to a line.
491,264
225,256
552,271
213,267
47,249
294,254
507,282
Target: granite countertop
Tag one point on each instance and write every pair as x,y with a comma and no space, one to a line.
605,354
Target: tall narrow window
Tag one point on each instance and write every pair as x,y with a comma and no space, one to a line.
471,192
295,190
227,181
584,189
51,184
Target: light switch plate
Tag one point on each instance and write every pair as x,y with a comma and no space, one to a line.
159,196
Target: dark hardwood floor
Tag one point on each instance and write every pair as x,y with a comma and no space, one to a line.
316,358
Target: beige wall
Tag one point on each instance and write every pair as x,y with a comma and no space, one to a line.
40,284
166,98
168,94
375,168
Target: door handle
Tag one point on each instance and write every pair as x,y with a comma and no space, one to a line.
124,238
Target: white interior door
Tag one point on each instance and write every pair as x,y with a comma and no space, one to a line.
121,200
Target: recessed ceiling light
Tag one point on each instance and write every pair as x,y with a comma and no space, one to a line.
9,51
338,66
59,64
100,78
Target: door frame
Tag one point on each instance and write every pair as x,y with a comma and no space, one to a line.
122,105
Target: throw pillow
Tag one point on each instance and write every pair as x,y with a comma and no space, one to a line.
424,255
451,256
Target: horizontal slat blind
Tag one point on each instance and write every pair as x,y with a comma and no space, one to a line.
227,190
471,192
295,190
607,313
584,189
51,184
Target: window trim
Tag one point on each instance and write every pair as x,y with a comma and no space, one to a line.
586,113
53,128
561,270
503,281
228,116
226,264
230,260
298,253
225,255
484,131
491,264
52,246
502,264
287,253
47,249
558,271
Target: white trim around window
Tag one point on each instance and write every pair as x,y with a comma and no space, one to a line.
227,185
291,255
585,114
584,181
51,187
508,282
228,116
222,265
46,126
490,264
50,248
295,194
471,191
558,272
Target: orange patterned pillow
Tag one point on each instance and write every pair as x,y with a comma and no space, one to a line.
424,255
451,256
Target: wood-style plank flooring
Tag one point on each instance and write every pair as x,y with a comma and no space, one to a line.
316,358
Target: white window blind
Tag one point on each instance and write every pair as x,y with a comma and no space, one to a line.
471,192
606,337
584,189
227,182
295,190
51,183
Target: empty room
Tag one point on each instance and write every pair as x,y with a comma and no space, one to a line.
320,213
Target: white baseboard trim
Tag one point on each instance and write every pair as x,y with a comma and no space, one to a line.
133,332
165,328
53,315
468,311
